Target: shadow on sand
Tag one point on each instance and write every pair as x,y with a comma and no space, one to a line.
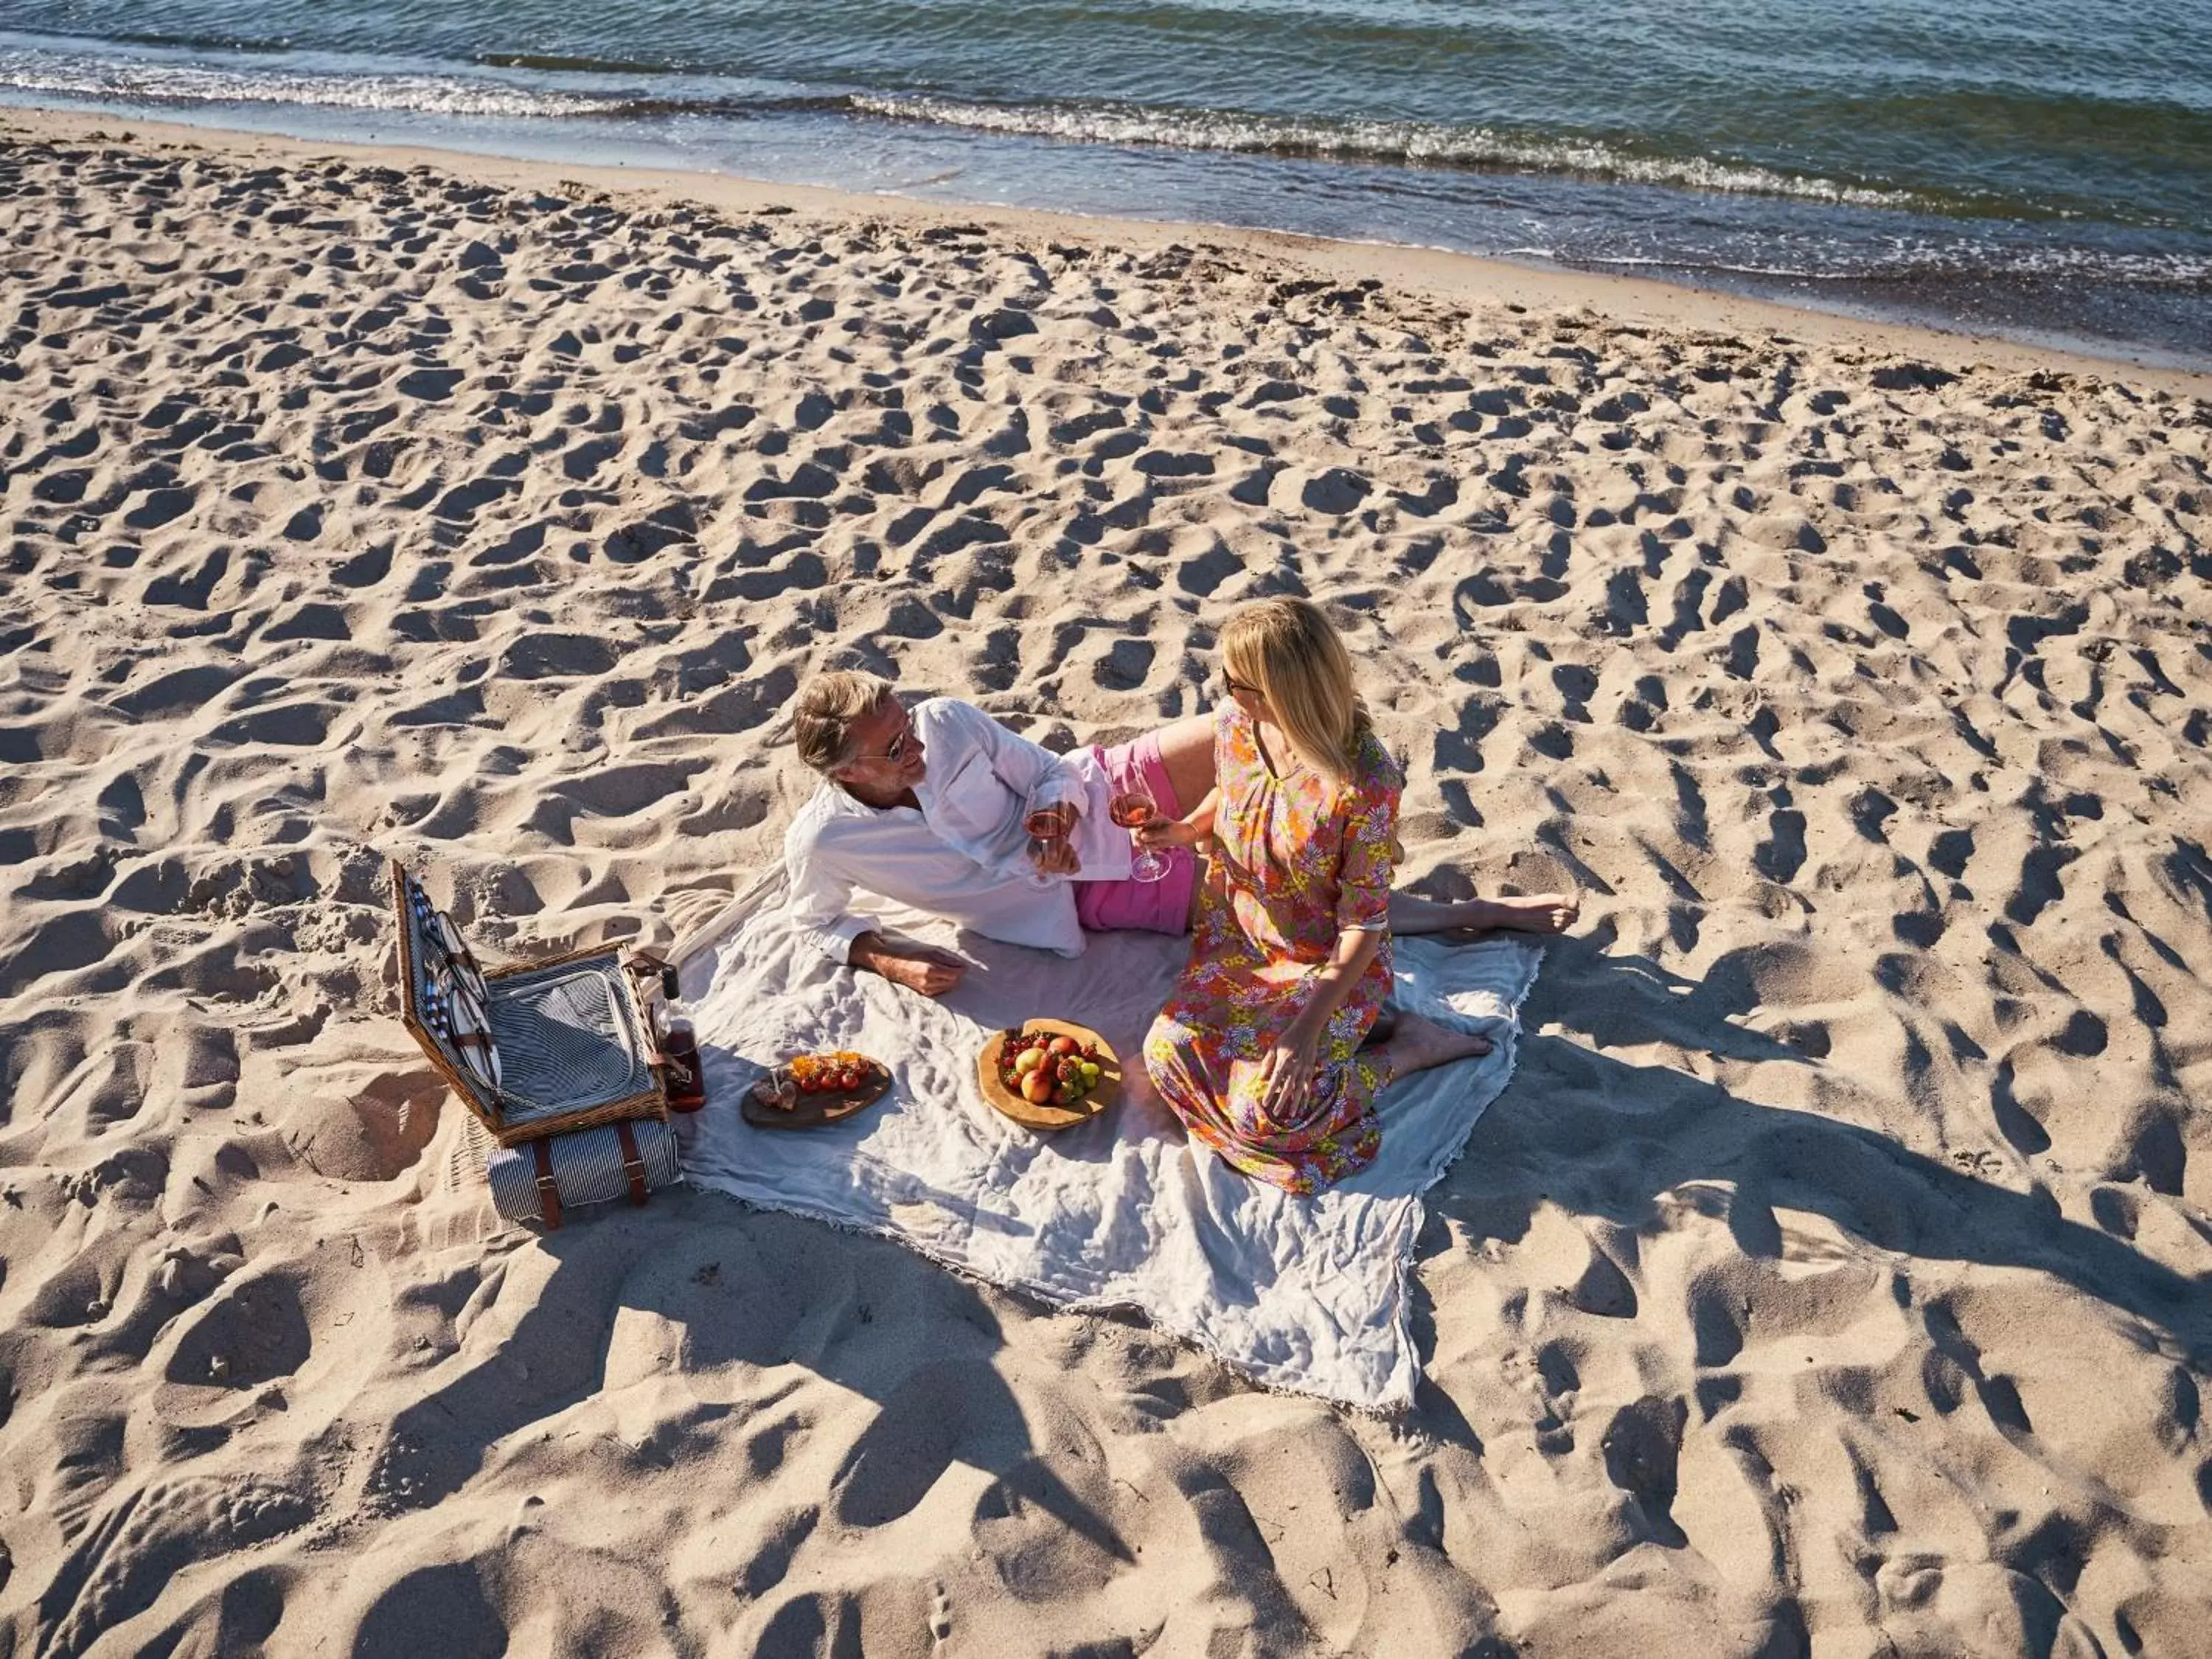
746,1287
1607,1138
1597,1135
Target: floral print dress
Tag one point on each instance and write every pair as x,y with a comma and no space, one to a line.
1298,860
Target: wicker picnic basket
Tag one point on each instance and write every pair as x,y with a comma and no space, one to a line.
540,1049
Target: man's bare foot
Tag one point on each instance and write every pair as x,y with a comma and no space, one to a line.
1539,913
1420,1044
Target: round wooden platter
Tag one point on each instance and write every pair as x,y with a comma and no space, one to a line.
812,1111
1047,1118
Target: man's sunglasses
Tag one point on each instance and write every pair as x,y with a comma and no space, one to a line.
898,750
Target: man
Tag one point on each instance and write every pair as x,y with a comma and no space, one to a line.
930,808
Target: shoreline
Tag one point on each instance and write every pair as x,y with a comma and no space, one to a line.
1437,274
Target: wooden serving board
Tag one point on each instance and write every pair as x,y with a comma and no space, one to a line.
1048,1117
812,1111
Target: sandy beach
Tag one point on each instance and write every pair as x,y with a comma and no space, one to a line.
1834,1278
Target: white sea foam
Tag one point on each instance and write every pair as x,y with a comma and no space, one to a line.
151,78
122,82
1419,144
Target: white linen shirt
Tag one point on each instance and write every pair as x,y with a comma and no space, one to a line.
964,855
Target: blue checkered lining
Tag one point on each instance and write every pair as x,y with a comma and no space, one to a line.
433,1001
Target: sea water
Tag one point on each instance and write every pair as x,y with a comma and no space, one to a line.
2016,167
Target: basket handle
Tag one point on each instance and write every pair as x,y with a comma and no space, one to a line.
644,966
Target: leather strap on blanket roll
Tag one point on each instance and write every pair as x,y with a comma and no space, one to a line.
633,1165
549,1190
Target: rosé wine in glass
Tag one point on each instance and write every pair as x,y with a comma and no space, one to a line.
1044,824
1130,808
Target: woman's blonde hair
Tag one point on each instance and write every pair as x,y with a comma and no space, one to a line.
1288,649
822,720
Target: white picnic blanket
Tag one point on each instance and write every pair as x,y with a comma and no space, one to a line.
1307,1294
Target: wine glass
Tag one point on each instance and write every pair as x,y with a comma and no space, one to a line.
1132,806
1044,824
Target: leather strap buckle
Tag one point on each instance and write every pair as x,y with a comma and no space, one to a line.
549,1189
633,1162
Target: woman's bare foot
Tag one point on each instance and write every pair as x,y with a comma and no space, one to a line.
1420,1044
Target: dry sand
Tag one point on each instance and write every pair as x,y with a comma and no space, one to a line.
1835,1277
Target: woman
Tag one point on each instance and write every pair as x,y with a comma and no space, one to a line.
1259,1050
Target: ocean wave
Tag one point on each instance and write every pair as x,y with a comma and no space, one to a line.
433,90
561,63
1966,263
1407,142
115,82
536,86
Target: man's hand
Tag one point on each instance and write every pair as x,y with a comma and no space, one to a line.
919,968
932,974
1067,814
1056,858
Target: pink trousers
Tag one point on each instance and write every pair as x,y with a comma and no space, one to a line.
1158,907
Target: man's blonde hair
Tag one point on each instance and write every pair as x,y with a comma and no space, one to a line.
822,720
1288,648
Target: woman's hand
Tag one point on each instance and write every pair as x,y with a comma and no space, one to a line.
1286,1073
1193,829
1162,833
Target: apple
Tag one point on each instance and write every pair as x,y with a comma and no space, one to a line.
1060,1045
1036,1088
1028,1060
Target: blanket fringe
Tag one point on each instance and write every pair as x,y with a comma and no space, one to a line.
1050,1302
